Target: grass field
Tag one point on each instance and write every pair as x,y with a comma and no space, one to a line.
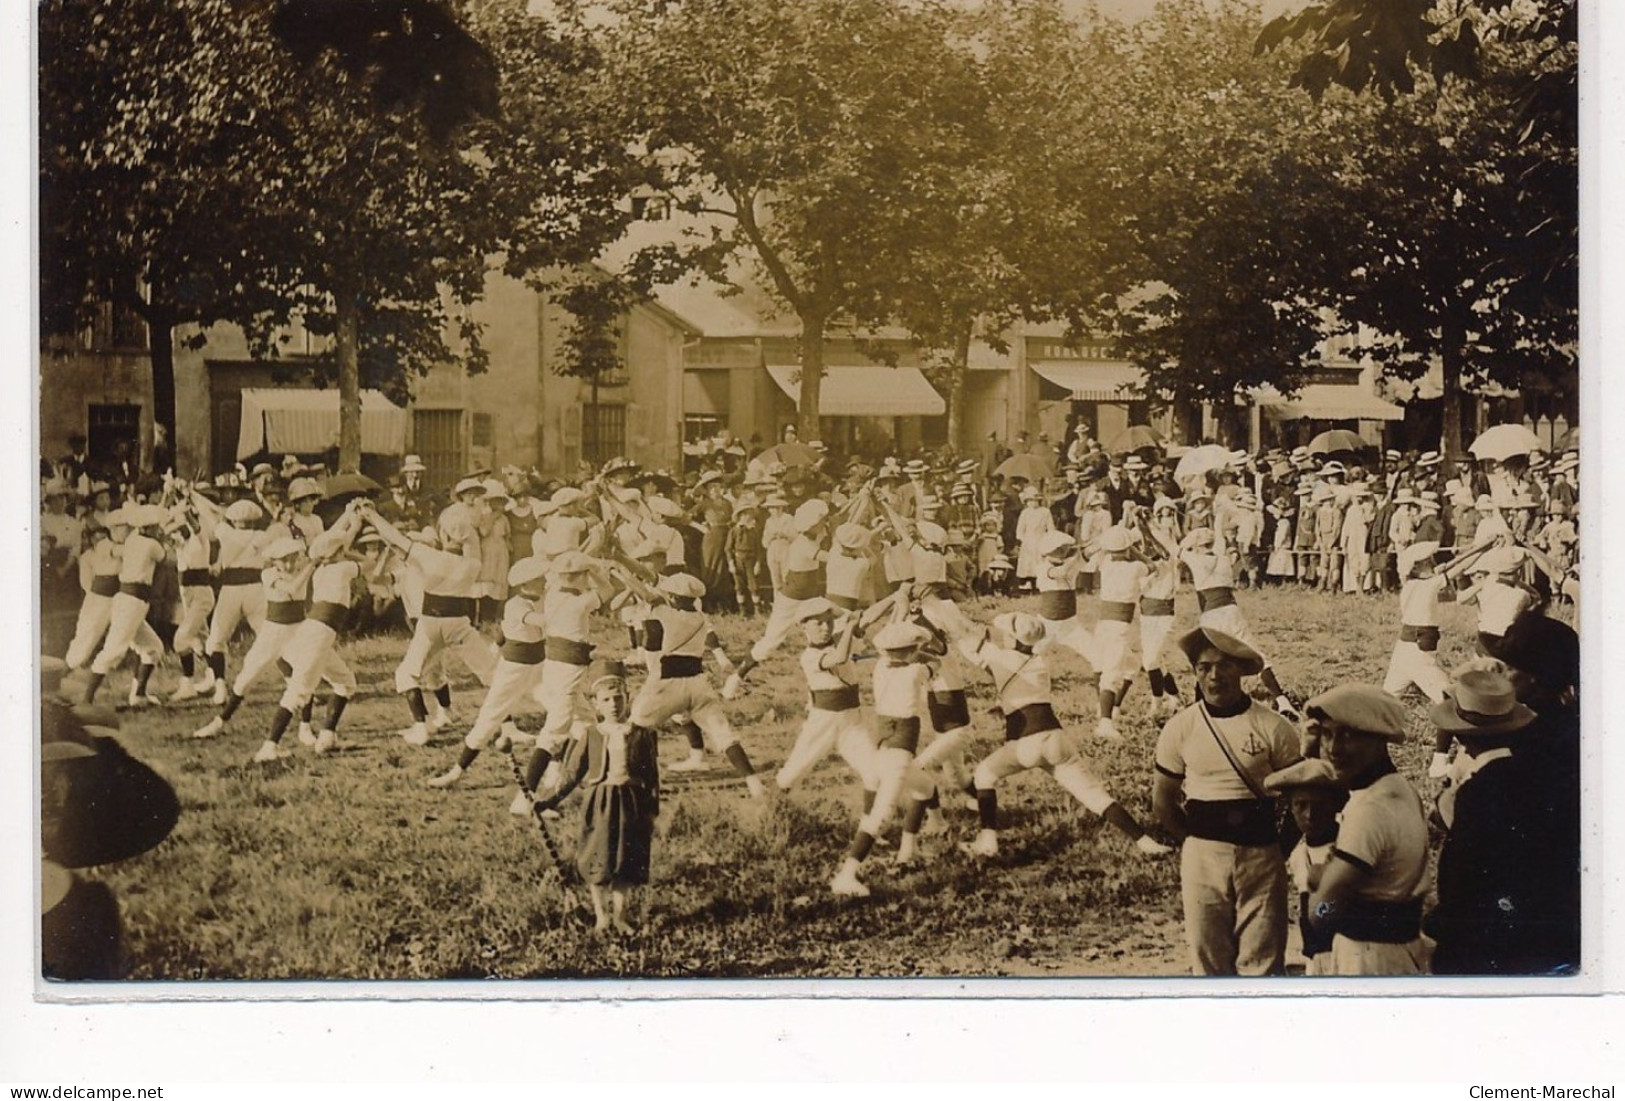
346,866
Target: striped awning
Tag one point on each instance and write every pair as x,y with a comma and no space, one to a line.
869,391
304,422
1093,380
1327,402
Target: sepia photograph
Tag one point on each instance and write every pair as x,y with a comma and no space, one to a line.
653,490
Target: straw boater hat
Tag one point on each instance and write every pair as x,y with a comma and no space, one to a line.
1195,641
1312,772
894,637
1406,497
1429,458
915,467
1333,469
1000,562
469,485
967,467
1481,703
1134,462
707,478
1361,707
1019,628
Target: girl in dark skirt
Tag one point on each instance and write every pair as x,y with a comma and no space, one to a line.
618,766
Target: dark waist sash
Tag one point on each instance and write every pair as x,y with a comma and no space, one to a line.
844,698
850,603
570,651
196,577
1034,718
240,575
949,710
1426,638
1057,603
332,613
673,666
448,607
1122,611
1381,922
104,584
523,653
803,584
285,611
1156,605
1235,821
141,590
898,733
1208,599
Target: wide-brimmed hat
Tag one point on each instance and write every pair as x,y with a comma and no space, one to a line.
1361,707
98,804
1134,462
901,636
1056,542
1333,468
301,489
469,485
930,535
1429,458
915,466
565,496
1193,642
496,491
681,585
285,547
1311,772
1480,703
1000,562
413,463
968,466
817,607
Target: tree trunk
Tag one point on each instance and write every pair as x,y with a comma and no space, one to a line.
161,352
1187,426
349,357
1453,337
957,374
812,376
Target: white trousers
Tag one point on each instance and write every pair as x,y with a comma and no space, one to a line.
511,682
662,699
1114,652
780,620
1154,631
313,653
269,645
434,635
823,733
127,630
1413,665
197,601
561,692
95,613
1055,753
1072,634
235,604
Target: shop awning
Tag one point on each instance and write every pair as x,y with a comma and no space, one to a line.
1327,402
871,391
303,422
1094,380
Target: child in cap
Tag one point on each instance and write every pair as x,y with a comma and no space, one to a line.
1123,572
518,670
617,761
1314,799
310,650
98,578
286,583
680,635
901,679
1058,582
140,553
1033,734
834,721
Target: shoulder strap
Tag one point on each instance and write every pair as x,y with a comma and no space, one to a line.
1230,754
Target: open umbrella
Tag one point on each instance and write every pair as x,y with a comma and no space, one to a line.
339,491
1338,439
1136,437
1034,468
790,454
1503,442
1201,460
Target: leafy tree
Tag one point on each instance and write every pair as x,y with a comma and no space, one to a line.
1222,187
1474,258
156,157
812,133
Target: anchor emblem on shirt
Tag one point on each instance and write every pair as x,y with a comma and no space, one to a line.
1254,745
